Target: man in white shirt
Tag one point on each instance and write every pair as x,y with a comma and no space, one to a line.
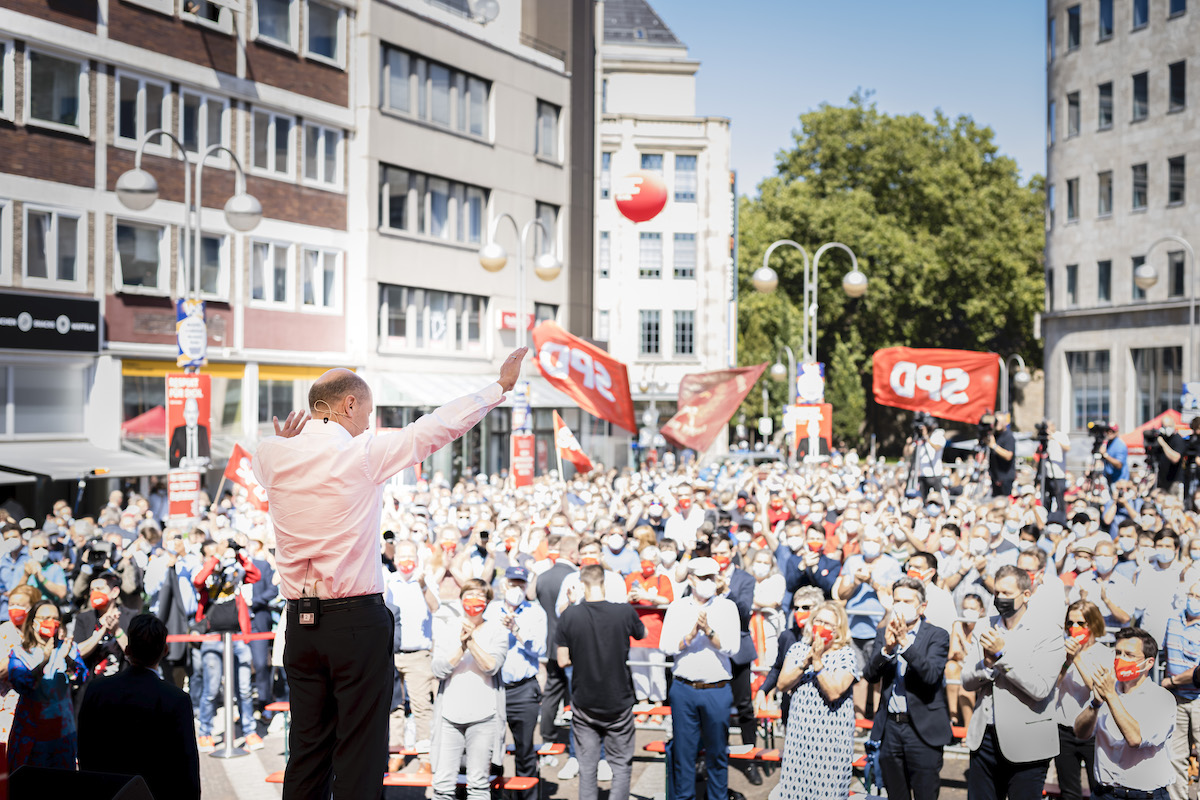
939,608
339,629
682,525
1113,594
1160,589
413,602
1132,719
1057,445
571,590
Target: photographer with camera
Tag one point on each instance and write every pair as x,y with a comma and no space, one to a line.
997,436
102,555
1115,455
1166,448
1054,464
925,448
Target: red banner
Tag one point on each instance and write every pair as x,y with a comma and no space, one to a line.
188,443
238,471
522,459
568,446
707,401
593,379
183,494
950,384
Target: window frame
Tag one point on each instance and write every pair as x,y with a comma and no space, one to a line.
163,279
605,175
419,320
339,180
271,302
1136,293
1172,106
1176,14
223,23
682,197
82,126
603,254
1074,114
273,118
645,273
339,59
1182,159
79,284
1177,260
335,307
644,318
1102,6
418,79
8,79
1100,106
538,149
676,269
1072,285
6,242
1104,294
1133,20
1078,17
1051,119
416,199
1073,199
1101,178
1145,186
1103,392
675,319
1050,205
220,158
163,146
1051,39
294,12
1133,94
223,293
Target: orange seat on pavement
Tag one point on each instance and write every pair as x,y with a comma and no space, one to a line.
279,705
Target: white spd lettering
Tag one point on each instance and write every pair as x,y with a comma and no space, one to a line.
948,385
558,360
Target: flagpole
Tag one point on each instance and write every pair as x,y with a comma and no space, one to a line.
217,496
559,421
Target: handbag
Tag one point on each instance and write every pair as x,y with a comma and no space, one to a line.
223,617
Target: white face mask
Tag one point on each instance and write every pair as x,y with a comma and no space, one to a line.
994,527
616,542
704,589
761,570
667,557
796,544
1127,544
871,549
744,537
40,554
970,614
850,526
948,543
1024,545
979,545
905,613
514,596
1104,564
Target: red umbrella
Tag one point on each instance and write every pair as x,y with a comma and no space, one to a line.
150,423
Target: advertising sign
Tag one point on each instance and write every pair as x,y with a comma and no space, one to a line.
813,427
41,322
188,440
191,331
810,383
183,494
522,459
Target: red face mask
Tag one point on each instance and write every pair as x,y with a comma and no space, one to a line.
722,562
448,547
47,628
589,561
801,617
815,547
915,574
509,544
1126,670
1079,633
685,504
826,634
406,566
647,569
741,502
776,504
17,615
552,557
474,607
98,600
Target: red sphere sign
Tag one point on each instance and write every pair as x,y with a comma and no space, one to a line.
641,195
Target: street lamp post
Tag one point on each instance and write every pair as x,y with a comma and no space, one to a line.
780,372
1021,378
1146,276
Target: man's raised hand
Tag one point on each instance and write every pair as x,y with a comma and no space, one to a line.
511,369
292,425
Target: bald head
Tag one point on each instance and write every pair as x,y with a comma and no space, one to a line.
344,396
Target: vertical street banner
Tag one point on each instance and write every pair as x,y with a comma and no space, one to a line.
958,385
188,439
707,401
183,494
191,333
522,459
568,446
812,428
588,375
810,383
239,471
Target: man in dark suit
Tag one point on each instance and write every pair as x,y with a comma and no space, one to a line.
189,440
913,720
741,591
802,561
546,587
261,622
137,706
177,603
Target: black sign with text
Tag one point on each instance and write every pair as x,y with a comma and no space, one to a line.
49,322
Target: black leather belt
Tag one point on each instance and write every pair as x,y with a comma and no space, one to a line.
1126,794
520,683
332,604
702,685
903,718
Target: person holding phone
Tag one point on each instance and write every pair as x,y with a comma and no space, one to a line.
42,669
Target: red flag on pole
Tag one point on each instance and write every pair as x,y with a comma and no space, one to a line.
568,445
591,377
238,471
707,401
950,384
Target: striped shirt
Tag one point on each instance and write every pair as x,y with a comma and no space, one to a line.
1182,645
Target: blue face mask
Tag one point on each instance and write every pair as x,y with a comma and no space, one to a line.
1193,606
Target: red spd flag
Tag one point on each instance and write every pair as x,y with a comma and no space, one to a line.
238,471
568,446
951,384
707,401
591,377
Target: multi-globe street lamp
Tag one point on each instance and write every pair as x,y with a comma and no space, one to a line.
1145,276
1020,378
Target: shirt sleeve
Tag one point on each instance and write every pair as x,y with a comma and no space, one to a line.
727,626
1156,720
676,622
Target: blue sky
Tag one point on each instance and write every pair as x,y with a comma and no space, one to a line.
764,62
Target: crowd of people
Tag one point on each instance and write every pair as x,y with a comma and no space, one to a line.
1059,627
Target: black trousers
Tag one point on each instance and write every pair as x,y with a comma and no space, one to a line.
1056,489
743,701
991,776
340,677
554,693
1002,488
1073,753
521,706
911,769
260,656
930,483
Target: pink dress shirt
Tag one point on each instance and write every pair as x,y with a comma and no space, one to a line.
325,490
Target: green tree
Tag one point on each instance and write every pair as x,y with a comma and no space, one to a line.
948,235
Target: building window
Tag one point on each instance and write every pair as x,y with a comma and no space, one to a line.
7,80
604,258
141,108
649,325
1105,106
323,156
605,175
425,319
271,273
1141,95
1104,281
45,399
1072,285
1176,7
1072,199
1177,98
1089,387
544,312
1073,114
1050,206
544,242
1051,113
1176,180
1049,289
272,139
202,123
547,130
1104,201
54,242
650,255
1175,274
56,92
652,162
214,267
1051,39
324,25
1141,13
322,284
275,399
685,333
1072,28
602,325
1159,378
140,257
202,12
685,179
1106,19
685,255
431,206
277,22
1138,292
415,86
1140,192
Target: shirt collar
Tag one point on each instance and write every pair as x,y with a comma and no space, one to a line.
318,426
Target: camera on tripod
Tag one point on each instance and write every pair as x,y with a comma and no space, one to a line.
922,424
1042,430
1150,440
1099,429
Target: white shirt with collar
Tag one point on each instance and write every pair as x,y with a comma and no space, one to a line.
325,489
614,590
1148,766
898,702
701,661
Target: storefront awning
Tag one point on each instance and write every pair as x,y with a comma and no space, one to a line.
67,460
433,389
9,478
